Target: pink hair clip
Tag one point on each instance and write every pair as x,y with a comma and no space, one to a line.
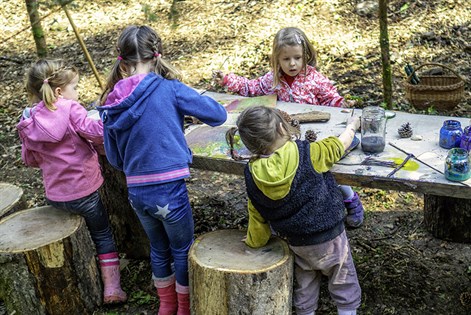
45,81
156,54
120,58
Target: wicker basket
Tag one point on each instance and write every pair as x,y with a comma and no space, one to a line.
443,92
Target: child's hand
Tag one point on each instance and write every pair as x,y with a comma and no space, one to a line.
354,122
350,103
218,77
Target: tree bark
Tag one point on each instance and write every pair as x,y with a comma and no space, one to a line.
36,27
127,229
384,43
47,263
448,218
227,277
11,199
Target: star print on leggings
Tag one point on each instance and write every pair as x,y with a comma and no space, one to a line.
163,211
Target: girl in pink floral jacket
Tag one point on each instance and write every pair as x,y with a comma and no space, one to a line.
294,79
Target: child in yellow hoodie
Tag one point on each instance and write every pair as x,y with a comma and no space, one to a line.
291,190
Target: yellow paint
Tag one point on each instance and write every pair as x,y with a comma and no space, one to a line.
52,255
409,166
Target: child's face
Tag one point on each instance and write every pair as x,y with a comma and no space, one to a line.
70,90
291,59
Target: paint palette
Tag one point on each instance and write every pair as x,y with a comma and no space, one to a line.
238,105
211,142
353,145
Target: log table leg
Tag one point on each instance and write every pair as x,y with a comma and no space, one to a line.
227,277
11,199
448,218
47,263
127,229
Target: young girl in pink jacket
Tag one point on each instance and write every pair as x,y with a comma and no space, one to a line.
294,78
58,137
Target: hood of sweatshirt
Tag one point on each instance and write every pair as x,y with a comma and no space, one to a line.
39,124
274,174
127,101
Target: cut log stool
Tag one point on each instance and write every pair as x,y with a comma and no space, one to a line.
47,263
227,277
11,199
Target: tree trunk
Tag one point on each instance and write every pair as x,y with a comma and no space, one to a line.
127,229
448,218
11,199
36,27
384,43
227,277
47,263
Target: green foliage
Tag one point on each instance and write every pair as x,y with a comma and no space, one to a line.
404,7
431,111
142,298
148,14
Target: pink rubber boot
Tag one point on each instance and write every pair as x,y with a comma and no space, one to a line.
112,292
183,294
167,295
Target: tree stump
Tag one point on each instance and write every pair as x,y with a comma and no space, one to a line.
227,277
448,218
11,199
128,233
47,263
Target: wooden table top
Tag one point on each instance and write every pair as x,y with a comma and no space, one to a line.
417,177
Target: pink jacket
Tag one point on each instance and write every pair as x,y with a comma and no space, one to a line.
309,87
59,143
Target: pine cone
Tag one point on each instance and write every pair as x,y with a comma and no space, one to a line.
310,135
405,131
293,122
465,299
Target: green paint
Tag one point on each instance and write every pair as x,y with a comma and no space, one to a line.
409,166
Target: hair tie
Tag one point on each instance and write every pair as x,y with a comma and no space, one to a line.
45,81
156,54
120,58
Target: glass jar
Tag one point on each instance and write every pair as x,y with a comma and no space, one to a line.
457,165
450,134
466,139
373,129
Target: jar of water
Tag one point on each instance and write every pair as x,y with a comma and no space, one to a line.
457,165
373,129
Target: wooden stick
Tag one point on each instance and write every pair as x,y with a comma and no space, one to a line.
82,44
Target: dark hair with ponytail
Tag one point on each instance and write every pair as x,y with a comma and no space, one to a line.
138,44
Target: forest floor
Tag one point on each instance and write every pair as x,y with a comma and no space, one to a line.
402,268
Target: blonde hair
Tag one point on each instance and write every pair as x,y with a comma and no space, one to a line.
290,36
138,44
259,128
44,77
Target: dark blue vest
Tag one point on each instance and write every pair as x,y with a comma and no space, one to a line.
311,213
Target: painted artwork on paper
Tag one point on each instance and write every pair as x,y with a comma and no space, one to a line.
211,142
238,105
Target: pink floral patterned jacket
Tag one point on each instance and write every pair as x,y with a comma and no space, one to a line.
310,87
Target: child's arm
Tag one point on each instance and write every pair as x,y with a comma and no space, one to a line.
203,107
88,128
111,148
258,232
325,153
326,92
245,87
28,157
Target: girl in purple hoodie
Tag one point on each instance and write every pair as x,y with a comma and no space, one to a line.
58,137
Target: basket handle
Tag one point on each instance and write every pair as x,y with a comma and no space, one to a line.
434,64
